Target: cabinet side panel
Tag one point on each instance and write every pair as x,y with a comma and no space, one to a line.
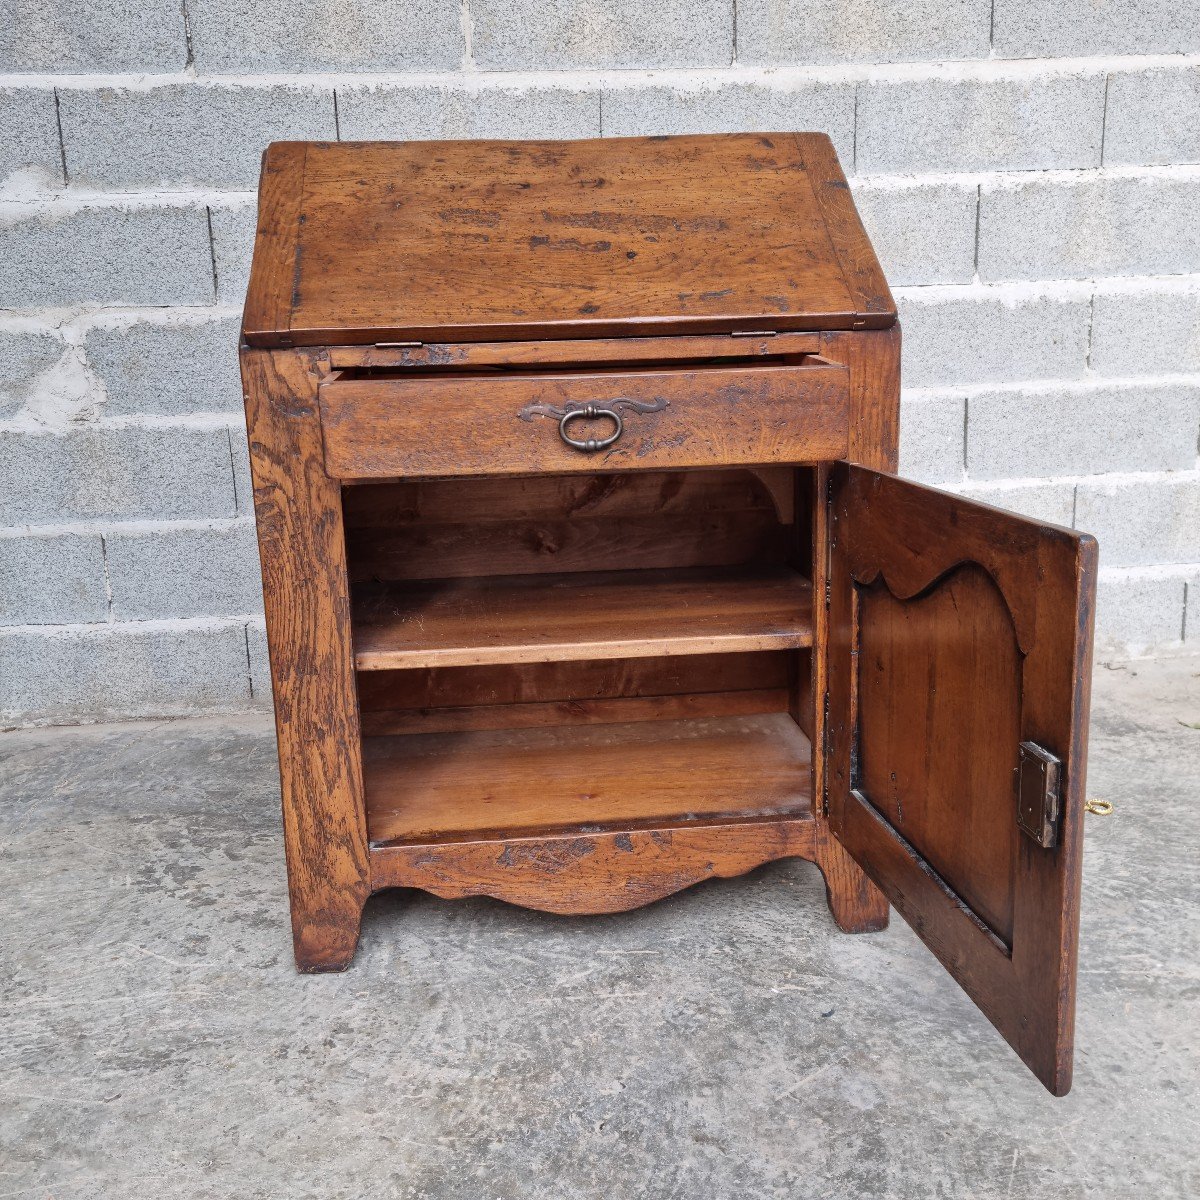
873,356
305,593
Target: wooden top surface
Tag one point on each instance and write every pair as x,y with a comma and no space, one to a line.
496,241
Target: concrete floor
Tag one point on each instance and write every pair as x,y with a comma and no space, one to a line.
725,1043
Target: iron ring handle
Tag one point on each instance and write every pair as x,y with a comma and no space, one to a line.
591,445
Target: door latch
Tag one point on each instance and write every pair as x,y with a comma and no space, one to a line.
1038,794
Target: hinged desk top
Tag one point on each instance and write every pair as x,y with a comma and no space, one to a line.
491,241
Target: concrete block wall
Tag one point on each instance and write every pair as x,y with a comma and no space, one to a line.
1030,172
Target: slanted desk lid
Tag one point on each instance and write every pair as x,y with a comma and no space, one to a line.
493,241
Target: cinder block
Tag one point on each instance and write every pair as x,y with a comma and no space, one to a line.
235,36
1053,502
29,135
184,573
179,135
52,580
119,474
1033,28
953,339
105,254
152,367
101,35
931,439
122,671
922,232
1143,522
717,107
1023,122
1096,225
1146,331
383,111
1136,612
1153,116
1081,431
233,229
24,354
553,35
821,31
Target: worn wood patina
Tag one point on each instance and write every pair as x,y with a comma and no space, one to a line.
586,578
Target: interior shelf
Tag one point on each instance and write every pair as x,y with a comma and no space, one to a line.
559,618
423,787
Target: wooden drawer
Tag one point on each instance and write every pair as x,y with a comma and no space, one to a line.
515,423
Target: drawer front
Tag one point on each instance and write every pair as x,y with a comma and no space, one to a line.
527,423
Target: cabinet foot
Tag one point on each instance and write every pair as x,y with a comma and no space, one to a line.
328,941
857,905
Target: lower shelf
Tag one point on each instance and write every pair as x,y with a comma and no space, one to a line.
426,787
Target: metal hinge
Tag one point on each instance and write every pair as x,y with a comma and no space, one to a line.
829,539
396,345
752,333
1039,795
825,756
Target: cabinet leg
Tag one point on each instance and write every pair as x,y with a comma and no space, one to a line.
857,905
306,596
326,937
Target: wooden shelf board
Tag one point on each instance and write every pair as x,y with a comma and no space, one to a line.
518,783
613,614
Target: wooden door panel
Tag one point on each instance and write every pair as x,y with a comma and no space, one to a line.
957,633
905,769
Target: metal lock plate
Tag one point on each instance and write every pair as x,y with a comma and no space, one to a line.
1038,794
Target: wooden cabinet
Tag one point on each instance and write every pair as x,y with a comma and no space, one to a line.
587,576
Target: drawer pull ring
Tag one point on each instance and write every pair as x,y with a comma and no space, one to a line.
574,410
590,411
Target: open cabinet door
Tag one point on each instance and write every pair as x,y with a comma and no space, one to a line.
960,645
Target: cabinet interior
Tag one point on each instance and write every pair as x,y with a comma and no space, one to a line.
582,652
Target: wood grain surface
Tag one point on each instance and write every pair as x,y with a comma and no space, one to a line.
540,683
461,528
588,680
583,352
508,423
267,315
306,598
582,873
873,360
550,618
579,873
609,710
462,241
955,632
421,787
